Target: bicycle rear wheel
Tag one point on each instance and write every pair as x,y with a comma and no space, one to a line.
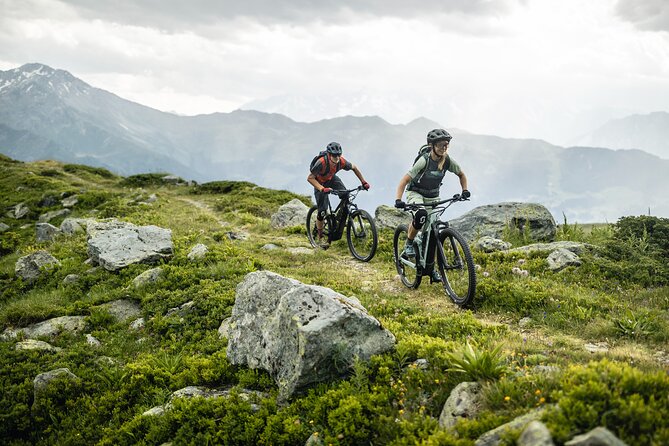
406,266
361,235
456,266
312,230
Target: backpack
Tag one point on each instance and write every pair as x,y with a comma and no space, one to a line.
323,153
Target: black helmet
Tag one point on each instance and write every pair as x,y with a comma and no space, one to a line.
334,148
437,135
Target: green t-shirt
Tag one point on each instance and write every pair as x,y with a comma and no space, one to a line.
419,166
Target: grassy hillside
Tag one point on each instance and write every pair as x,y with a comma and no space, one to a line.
618,298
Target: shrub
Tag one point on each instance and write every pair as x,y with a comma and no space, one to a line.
145,179
478,364
81,168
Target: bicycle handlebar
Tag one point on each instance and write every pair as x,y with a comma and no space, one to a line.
450,201
346,191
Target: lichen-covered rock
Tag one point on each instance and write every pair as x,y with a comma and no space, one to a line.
301,334
562,258
152,275
389,217
115,245
198,252
48,328
32,266
293,213
45,232
464,402
494,219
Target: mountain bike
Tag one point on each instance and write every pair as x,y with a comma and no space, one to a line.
361,232
437,239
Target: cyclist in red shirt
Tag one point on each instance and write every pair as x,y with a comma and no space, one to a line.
323,177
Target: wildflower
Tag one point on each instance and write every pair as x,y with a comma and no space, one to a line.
507,398
542,400
486,274
537,392
436,381
401,412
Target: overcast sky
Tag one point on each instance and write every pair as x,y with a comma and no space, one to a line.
514,68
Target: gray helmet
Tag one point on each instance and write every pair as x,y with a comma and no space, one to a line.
437,135
334,148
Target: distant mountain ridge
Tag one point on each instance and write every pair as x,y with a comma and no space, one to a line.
649,132
48,113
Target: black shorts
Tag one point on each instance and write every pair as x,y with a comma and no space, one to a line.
322,199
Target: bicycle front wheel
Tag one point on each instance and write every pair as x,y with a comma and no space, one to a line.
361,235
312,230
456,266
406,266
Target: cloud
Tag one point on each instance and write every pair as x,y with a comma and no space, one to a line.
178,15
650,15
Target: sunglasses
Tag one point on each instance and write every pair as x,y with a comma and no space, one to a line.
442,144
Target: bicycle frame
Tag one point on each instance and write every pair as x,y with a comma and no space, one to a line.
340,215
427,247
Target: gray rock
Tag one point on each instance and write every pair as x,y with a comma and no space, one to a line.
293,213
535,434
270,247
70,279
575,247
45,232
72,226
181,310
599,436
48,328
19,211
172,179
149,276
463,402
314,440
493,437
154,411
137,324
301,334
493,219
562,258
238,235
123,310
198,252
32,344
92,340
43,380
3,227
32,266
390,217
115,245
47,217
491,244
70,201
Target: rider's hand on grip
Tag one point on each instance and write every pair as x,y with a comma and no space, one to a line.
465,194
365,185
399,204
326,190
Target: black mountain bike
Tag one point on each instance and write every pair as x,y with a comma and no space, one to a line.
360,228
453,256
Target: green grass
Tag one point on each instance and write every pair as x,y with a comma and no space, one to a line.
620,296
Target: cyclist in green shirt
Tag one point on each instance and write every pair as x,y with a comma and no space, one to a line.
423,180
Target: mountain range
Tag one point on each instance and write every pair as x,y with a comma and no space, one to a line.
48,113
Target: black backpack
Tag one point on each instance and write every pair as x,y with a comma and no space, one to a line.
315,160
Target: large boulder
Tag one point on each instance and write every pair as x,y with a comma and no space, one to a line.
301,334
389,217
494,219
45,232
293,213
115,245
30,267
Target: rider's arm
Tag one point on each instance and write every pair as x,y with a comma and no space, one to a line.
403,184
463,180
314,182
357,173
